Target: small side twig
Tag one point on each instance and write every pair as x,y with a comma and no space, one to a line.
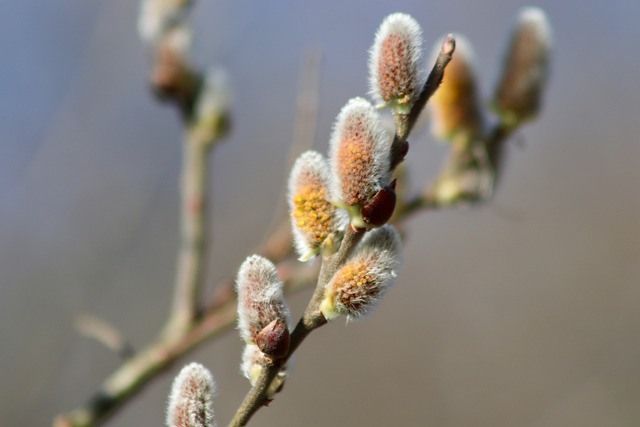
104,333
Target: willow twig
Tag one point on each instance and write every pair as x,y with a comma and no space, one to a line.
104,333
193,229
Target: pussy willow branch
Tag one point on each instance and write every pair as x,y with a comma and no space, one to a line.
220,314
312,317
310,320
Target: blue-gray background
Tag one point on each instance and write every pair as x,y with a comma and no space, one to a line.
525,312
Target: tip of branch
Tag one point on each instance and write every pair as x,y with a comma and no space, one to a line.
448,45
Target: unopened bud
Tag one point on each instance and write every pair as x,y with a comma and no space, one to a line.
273,339
455,107
260,300
362,281
190,398
359,152
313,217
526,68
378,211
394,63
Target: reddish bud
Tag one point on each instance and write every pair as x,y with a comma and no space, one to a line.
378,211
273,340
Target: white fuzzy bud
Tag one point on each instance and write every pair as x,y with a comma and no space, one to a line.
260,299
394,63
190,398
364,279
359,157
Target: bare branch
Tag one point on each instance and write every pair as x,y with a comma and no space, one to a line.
104,333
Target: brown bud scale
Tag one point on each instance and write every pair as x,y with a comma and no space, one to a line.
378,211
273,340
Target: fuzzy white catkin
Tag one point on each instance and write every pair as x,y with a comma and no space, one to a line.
190,400
395,62
364,279
359,154
313,217
260,297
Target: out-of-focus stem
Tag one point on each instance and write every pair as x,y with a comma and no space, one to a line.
193,228
137,371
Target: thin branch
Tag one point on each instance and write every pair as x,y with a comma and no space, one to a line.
193,224
482,160
104,333
257,396
132,376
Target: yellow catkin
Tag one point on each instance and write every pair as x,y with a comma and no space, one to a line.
455,106
353,282
312,211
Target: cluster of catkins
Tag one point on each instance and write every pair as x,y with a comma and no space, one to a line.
458,115
353,190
